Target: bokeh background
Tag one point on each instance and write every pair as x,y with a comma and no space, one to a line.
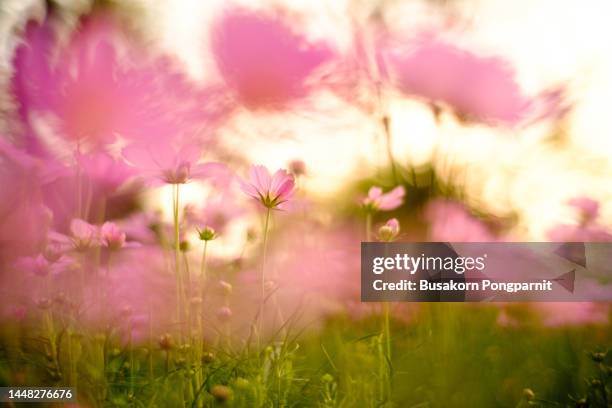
492,118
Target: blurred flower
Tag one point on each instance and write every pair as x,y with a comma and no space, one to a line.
587,230
377,201
99,86
221,393
112,236
166,342
84,235
226,287
217,212
37,265
224,313
476,88
588,207
272,191
24,216
172,162
389,231
105,173
450,221
262,60
297,168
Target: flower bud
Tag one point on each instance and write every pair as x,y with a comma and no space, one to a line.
221,393
528,394
207,234
224,314
226,287
297,167
112,236
327,378
598,357
184,246
389,231
43,303
208,357
166,342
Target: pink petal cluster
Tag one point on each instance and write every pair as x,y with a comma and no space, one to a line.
100,86
379,201
172,161
272,191
262,60
482,89
587,230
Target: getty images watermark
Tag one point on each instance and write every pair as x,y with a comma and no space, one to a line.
472,272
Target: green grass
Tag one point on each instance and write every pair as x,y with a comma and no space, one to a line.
447,355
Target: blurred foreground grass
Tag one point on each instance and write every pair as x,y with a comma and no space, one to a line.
444,355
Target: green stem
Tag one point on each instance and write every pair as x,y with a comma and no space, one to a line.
203,270
263,271
369,226
177,249
387,333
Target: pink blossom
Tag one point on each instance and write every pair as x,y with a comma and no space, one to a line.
477,88
263,61
84,235
112,236
377,201
171,162
588,207
272,191
99,85
105,173
217,212
587,230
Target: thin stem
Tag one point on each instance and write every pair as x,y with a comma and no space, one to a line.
387,130
369,226
387,334
263,270
203,270
177,249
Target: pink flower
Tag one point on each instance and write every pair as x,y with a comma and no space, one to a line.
166,161
389,231
217,212
377,201
262,60
588,208
84,235
587,230
104,172
476,88
272,191
112,236
98,85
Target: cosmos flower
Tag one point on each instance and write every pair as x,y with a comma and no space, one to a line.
481,89
377,201
164,161
587,229
262,60
97,87
272,191
105,173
